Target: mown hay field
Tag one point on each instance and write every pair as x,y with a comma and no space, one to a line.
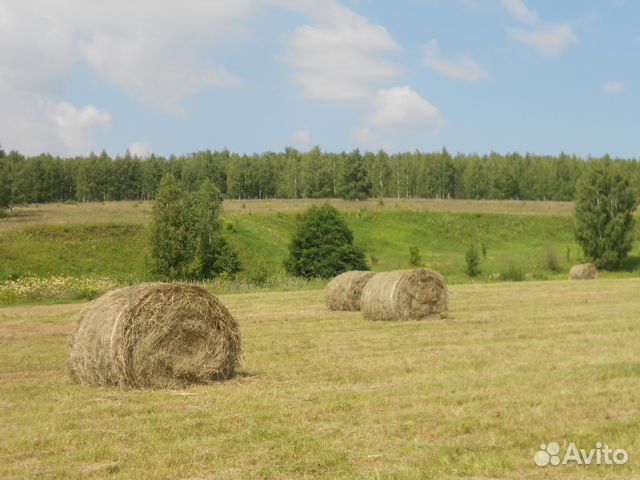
326,394
130,212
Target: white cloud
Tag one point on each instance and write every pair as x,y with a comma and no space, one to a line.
613,87
33,124
465,68
162,53
343,58
302,139
520,12
148,75
547,40
158,51
402,109
74,125
140,149
155,51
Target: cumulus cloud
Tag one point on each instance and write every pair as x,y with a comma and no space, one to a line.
148,75
402,109
75,125
162,53
520,12
341,59
465,68
33,124
613,87
155,51
36,56
549,40
140,149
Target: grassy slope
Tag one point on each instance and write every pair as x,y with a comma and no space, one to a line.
116,251
119,251
329,395
139,212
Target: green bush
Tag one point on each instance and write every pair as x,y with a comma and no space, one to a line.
512,273
472,257
415,259
322,245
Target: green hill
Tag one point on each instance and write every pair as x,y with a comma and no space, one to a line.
119,251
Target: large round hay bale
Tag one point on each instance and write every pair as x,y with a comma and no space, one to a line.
155,335
584,271
405,295
345,290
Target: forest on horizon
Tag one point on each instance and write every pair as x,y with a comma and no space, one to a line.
294,174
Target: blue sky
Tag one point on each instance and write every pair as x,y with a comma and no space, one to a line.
257,75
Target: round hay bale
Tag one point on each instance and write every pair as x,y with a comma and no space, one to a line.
584,271
405,295
345,290
155,335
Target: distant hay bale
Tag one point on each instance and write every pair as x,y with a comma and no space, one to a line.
345,290
585,271
155,335
405,295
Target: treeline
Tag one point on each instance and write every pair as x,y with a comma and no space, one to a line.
293,174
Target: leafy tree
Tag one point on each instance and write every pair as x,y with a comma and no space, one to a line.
213,254
472,257
355,180
172,230
318,177
322,245
605,203
380,173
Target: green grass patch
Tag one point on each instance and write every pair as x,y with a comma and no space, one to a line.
120,251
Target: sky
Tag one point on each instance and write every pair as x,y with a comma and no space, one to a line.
175,77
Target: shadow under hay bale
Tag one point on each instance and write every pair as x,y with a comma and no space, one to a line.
584,271
155,335
405,295
344,292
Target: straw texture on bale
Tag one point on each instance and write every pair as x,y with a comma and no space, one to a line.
584,271
405,295
155,335
345,290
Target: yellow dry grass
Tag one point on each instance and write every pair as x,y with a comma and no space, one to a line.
329,395
139,212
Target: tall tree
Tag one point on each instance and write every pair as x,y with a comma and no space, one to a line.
605,204
213,255
172,231
318,179
380,174
355,183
